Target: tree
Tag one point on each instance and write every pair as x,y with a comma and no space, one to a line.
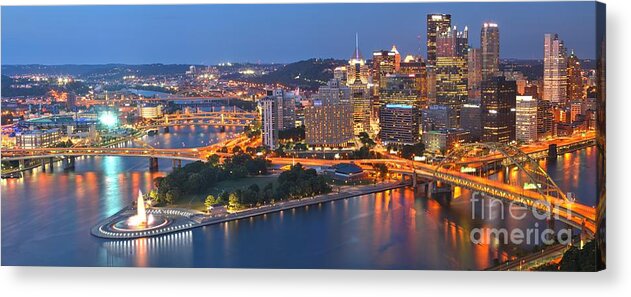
279,152
213,159
381,169
224,197
366,140
210,201
170,197
233,201
409,151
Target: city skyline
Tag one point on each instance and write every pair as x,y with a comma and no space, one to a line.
156,165
148,34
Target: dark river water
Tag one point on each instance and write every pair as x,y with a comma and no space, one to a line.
47,216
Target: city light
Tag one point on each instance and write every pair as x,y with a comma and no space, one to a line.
109,119
234,140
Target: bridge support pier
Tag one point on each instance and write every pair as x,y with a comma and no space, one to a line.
507,174
43,162
177,163
153,164
50,163
21,164
69,163
441,193
166,129
414,181
552,151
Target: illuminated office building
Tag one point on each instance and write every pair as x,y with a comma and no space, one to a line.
471,119
437,117
490,50
31,139
329,120
384,63
451,81
279,113
474,74
416,67
576,109
545,119
452,42
554,69
150,111
341,73
398,124
451,74
361,99
526,119
574,78
435,23
498,110
441,141
400,89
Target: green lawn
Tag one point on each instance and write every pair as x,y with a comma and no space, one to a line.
196,201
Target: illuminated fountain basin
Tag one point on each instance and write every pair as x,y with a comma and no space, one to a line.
140,221
132,224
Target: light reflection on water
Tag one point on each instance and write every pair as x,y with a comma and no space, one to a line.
140,252
46,217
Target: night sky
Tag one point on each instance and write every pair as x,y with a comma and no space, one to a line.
210,34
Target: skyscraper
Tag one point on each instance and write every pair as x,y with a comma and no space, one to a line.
357,81
415,66
400,89
462,42
399,124
474,75
470,119
574,78
490,50
545,119
383,63
451,84
526,119
329,120
451,73
435,23
446,43
554,69
279,113
357,70
269,110
498,110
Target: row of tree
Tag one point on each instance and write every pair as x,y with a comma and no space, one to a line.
199,177
295,183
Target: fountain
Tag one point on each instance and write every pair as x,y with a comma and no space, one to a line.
140,221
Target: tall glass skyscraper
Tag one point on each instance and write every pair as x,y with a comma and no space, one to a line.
436,23
490,50
554,69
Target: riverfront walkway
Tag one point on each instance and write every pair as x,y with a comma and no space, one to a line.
533,260
183,219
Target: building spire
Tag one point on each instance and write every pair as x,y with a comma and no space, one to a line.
356,55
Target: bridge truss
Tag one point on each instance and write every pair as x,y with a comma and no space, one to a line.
538,179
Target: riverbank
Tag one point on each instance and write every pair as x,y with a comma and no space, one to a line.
186,219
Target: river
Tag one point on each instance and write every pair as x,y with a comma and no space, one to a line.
47,216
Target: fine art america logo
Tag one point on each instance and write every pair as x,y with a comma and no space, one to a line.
487,208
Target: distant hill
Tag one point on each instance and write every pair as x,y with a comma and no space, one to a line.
307,74
113,70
